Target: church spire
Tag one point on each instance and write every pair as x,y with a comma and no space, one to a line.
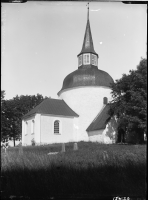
88,47
88,12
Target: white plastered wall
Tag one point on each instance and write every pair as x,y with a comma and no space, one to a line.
87,103
96,136
68,129
23,131
38,128
27,135
107,135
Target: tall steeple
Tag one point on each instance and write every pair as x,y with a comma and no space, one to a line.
87,56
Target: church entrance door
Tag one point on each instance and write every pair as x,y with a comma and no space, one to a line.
121,136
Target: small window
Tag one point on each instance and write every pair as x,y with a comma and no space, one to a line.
32,126
57,127
86,59
95,60
80,60
105,100
92,59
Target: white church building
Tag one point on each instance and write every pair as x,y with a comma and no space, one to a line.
81,112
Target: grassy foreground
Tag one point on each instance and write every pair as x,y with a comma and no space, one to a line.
94,169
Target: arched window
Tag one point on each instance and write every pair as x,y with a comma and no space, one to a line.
56,127
105,100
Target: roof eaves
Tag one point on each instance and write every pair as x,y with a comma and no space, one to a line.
27,116
72,116
88,51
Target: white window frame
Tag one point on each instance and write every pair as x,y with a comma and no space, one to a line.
60,127
85,60
95,60
92,59
80,60
32,126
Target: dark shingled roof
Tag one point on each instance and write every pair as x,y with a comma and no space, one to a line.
88,46
100,121
87,76
52,106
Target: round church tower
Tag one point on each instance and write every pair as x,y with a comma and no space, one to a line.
84,89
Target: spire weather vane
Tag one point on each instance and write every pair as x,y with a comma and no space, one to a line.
88,11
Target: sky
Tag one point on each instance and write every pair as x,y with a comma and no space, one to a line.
41,41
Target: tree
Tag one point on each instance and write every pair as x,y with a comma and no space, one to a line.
12,112
2,95
129,102
4,121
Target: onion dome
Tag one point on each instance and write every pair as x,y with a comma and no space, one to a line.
87,73
87,77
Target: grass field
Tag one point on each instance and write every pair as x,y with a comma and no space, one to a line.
94,169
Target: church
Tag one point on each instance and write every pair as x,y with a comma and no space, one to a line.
81,111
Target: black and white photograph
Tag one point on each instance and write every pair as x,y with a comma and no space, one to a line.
73,100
